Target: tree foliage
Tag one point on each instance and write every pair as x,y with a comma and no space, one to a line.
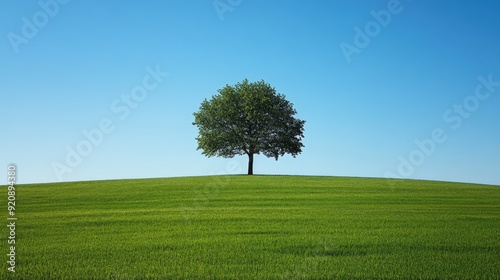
248,118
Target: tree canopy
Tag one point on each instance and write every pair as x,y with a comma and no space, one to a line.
248,118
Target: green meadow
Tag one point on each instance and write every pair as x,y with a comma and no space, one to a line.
255,227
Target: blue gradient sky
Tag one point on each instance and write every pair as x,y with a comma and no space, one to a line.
363,116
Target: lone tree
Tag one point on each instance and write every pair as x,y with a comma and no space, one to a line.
248,118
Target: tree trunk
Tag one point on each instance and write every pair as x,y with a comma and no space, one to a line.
250,164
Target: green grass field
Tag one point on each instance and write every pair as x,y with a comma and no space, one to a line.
255,227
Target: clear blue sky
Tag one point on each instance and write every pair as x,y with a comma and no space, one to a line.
414,76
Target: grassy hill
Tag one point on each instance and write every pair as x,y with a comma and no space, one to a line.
258,227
